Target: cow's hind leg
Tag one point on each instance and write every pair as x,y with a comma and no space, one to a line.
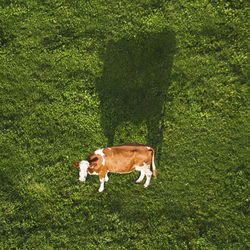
148,173
142,175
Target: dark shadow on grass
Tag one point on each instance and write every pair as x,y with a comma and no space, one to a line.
133,86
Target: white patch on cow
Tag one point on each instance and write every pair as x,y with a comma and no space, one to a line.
145,170
100,152
101,188
106,177
83,167
138,168
148,148
142,175
94,173
148,173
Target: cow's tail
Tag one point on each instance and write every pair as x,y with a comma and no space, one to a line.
153,163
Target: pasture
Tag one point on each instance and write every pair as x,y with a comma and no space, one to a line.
81,75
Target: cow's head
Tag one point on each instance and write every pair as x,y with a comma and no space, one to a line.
83,169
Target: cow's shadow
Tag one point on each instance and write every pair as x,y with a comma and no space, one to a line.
134,82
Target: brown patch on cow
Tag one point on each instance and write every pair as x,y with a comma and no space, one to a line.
124,158
93,159
107,152
95,163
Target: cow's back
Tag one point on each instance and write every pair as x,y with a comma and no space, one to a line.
124,158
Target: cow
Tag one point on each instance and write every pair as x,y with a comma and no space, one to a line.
119,159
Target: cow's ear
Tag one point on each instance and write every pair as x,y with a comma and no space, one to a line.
76,164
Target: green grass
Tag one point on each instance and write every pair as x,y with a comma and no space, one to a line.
79,75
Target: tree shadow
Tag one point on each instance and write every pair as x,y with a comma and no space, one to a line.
134,82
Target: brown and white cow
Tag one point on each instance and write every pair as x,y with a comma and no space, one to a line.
119,159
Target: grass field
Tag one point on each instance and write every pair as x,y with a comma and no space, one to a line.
81,75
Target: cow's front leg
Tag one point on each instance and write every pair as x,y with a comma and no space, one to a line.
101,188
102,180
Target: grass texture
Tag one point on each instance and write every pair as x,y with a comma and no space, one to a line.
81,75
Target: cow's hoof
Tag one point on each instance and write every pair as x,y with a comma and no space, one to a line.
137,182
145,186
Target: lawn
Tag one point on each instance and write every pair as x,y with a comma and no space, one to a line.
81,75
